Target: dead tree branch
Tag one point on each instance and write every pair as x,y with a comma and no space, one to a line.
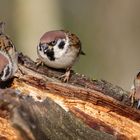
41,107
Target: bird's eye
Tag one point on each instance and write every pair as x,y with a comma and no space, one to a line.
53,43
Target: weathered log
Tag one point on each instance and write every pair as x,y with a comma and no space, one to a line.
46,120
42,107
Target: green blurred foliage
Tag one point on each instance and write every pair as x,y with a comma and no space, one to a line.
109,31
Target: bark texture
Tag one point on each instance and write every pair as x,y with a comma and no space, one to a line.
41,107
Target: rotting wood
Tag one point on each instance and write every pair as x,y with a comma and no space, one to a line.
95,105
47,120
79,80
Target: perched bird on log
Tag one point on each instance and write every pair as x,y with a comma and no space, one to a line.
8,56
59,49
135,93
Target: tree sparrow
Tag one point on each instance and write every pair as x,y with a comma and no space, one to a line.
59,49
135,93
8,56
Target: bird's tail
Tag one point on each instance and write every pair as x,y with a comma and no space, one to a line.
82,53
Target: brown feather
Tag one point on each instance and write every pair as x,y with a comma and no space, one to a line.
52,35
3,62
137,86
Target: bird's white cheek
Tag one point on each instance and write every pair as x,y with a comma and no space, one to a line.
42,54
61,52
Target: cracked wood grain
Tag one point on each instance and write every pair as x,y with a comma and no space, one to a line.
46,108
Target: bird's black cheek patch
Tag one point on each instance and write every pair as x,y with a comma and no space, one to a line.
7,71
61,45
48,52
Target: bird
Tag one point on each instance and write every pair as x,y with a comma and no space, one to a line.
8,56
135,90
59,49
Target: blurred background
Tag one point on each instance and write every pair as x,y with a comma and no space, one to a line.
109,32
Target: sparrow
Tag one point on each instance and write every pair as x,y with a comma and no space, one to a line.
59,49
135,90
8,56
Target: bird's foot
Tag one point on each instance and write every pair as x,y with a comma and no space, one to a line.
132,98
39,62
65,77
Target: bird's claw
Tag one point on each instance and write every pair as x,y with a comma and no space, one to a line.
132,98
65,77
39,62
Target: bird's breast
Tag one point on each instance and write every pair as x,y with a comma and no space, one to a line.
59,59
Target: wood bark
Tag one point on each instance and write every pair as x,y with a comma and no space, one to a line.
41,107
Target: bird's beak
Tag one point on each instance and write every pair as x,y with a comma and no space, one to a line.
50,47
